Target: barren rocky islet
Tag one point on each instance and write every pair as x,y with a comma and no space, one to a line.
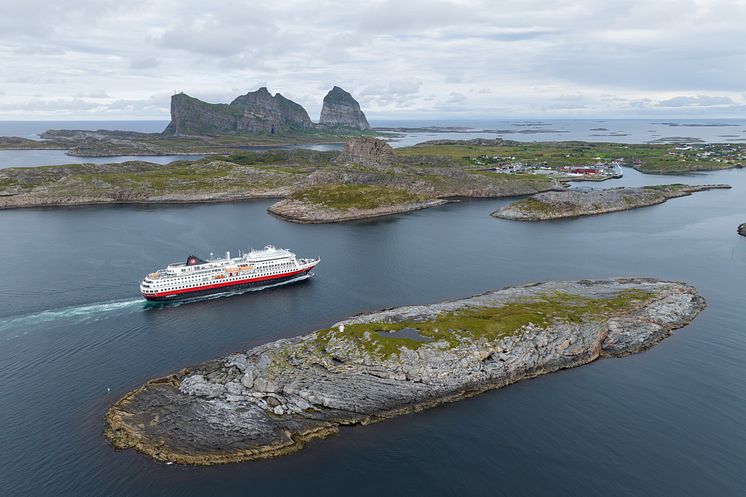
589,202
272,399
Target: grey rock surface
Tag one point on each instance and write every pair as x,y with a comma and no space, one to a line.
256,112
260,112
340,109
309,386
367,151
300,212
587,202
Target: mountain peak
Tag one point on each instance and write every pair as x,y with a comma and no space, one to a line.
259,112
340,109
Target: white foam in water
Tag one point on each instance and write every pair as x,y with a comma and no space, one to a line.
80,313
100,310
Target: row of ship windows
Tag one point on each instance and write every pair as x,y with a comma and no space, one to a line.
286,265
182,287
282,269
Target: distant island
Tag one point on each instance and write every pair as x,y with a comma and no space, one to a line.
261,113
272,399
196,127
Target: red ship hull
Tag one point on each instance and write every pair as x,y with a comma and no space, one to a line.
211,288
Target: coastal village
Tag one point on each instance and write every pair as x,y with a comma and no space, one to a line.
728,153
601,169
598,171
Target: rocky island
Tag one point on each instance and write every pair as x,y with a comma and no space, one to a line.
262,113
272,399
367,175
257,118
339,203
742,229
331,203
588,202
341,110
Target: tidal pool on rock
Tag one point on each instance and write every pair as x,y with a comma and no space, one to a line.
410,333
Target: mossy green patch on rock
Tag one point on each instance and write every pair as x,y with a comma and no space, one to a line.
7,183
169,177
533,205
346,197
673,187
489,323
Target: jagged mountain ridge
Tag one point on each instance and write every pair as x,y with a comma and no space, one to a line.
260,112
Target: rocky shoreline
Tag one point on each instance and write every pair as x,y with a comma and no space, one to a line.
136,182
300,212
42,201
105,143
272,399
589,202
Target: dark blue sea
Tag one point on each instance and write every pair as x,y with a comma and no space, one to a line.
75,336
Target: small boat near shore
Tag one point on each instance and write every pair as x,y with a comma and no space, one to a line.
196,277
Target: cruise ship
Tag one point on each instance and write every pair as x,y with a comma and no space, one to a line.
196,277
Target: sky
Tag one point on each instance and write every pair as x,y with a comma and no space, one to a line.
437,59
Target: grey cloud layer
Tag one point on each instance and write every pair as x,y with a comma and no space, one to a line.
123,59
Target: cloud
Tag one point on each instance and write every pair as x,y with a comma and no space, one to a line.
698,101
397,93
93,94
399,58
40,105
455,98
144,63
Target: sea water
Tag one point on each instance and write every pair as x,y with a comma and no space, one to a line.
75,336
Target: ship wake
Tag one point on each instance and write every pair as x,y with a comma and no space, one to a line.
76,314
100,310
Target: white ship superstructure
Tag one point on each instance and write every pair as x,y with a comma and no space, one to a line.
198,277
